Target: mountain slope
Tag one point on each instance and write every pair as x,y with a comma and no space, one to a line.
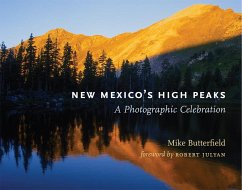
196,25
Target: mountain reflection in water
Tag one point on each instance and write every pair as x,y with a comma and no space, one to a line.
95,142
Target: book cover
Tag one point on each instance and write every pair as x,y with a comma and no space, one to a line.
119,94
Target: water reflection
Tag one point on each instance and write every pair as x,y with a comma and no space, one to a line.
56,136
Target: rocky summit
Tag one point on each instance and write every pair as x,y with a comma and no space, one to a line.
193,26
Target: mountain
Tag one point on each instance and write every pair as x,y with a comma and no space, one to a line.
193,26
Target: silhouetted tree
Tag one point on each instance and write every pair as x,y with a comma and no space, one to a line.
3,57
48,59
89,73
74,71
125,76
56,66
109,75
166,74
146,74
101,64
66,66
30,59
11,73
20,64
40,72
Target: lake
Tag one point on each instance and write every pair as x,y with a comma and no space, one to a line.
96,149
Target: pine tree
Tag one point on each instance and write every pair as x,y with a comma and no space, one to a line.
20,64
125,77
79,78
3,57
8,80
13,71
48,62
56,66
89,73
135,72
3,52
74,70
146,73
109,75
66,66
165,74
30,62
129,76
101,64
40,72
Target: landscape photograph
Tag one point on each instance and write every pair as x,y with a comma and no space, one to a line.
80,94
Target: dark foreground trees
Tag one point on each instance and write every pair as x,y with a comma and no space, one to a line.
52,70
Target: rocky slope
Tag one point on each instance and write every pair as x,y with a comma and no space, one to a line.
193,26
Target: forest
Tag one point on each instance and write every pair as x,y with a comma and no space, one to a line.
51,71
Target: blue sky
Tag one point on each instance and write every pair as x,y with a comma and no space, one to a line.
106,17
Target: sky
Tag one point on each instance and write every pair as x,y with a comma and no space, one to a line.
105,17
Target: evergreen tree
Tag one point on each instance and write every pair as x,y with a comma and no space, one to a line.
48,59
3,57
40,72
136,83
101,64
56,66
30,62
125,76
130,76
79,78
146,73
13,71
7,71
109,75
89,73
165,74
20,64
74,70
66,66
3,52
